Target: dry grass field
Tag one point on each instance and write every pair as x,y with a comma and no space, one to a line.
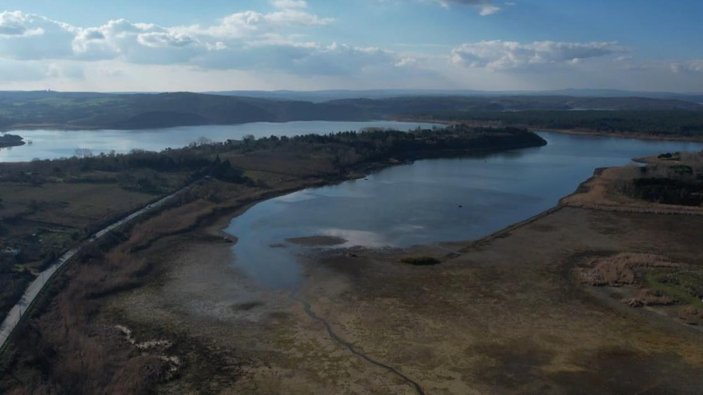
165,311
39,222
506,315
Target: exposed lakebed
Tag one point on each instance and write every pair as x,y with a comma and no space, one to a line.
428,201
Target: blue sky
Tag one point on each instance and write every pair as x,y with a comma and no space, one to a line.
151,45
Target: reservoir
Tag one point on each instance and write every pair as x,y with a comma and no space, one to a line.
427,201
53,144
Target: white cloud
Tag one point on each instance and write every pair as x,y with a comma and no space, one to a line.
288,4
690,66
136,42
250,23
245,40
29,36
33,37
26,36
276,49
165,39
505,55
301,58
17,24
287,13
486,7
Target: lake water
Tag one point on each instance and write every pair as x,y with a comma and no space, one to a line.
52,144
428,201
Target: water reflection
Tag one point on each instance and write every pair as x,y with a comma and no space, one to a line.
428,201
52,144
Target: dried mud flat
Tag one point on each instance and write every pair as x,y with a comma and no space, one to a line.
502,315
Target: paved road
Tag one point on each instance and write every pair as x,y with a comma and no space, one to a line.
14,317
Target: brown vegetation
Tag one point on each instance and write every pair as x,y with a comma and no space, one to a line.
74,322
647,297
499,316
620,269
67,351
662,185
48,206
69,348
691,315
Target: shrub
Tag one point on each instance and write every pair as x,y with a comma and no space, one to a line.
421,261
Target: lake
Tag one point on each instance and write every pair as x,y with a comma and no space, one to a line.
53,144
427,201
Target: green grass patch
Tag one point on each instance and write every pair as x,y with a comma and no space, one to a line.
682,169
685,286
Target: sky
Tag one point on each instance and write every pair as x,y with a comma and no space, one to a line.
188,45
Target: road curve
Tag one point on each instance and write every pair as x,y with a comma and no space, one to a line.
14,317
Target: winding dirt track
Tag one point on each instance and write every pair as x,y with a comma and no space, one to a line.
349,346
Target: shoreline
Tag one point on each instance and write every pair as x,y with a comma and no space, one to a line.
196,299
234,205
574,132
624,135
73,128
8,140
329,279
225,215
218,227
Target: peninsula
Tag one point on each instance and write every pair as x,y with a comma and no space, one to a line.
10,140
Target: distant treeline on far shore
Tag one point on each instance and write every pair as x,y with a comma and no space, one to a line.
29,110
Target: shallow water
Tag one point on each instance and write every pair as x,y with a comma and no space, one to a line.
52,144
427,201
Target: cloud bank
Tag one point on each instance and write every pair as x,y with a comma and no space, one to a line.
506,55
486,7
285,47
242,40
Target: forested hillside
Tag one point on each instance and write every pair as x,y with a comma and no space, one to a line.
139,111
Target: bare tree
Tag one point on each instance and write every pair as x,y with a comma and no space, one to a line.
248,138
202,140
83,153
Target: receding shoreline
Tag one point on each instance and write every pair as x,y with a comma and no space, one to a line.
492,302
624,135
368,273
576,132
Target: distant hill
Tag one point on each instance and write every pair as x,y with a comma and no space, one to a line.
327,95
138,111
439,104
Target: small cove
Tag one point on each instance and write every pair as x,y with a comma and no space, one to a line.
425,202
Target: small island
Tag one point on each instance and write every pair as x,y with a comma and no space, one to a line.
10,140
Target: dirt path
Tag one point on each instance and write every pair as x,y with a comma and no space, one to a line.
349,346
